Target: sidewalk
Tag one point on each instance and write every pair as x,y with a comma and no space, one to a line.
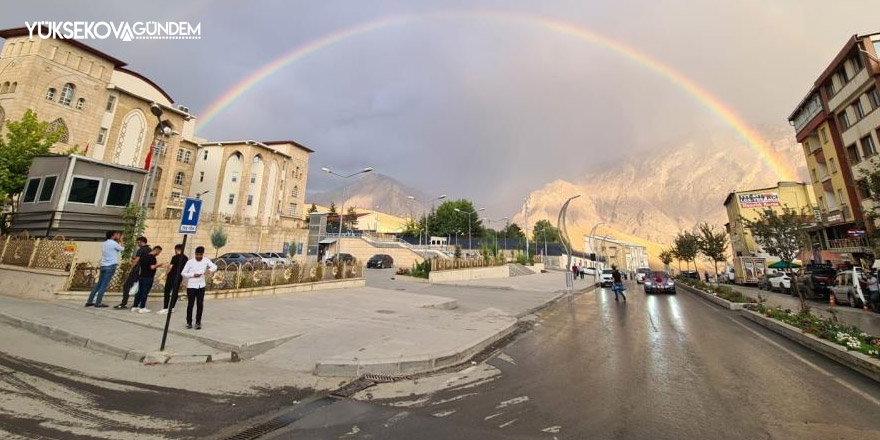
342,332
869,322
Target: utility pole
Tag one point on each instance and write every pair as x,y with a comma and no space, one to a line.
526,221
342,205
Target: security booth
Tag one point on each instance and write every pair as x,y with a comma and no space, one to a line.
77,197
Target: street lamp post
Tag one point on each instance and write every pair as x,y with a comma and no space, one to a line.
342,205
469,214
488,220
566,241
427,236
156,110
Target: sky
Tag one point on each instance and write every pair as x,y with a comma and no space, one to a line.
455,100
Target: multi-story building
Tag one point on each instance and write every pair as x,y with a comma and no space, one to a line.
749,204
625,256
103,112
837,125
101,108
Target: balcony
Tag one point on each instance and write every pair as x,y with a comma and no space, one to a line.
849,245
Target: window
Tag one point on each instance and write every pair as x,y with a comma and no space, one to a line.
843,118
84,190
201,176
250,200
50,94
5,87
60,127
102,136
868,147
47,189
111,100
30,193
864,191
253,177
295,192
822,203
160,147
856,61
874,97
13,87
175,196
235,176
843,75
178,178
67,94
205,155
184,155
119,194
853,153
858,109
231,199
840,199
80,103
832,165
824,134
291,210
813,173
829,88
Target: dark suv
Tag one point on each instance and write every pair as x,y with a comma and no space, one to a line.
815,281
344,258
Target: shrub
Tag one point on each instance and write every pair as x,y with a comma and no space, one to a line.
850,337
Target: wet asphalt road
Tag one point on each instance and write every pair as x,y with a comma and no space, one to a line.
656,367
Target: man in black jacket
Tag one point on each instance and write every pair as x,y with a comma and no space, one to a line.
135,274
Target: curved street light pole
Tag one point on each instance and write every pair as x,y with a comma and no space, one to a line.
566,241
342,204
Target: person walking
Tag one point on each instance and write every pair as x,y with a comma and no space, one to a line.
706,275
617,285
874,291
134,274
173,279
574,270
110,250
195,271
148,265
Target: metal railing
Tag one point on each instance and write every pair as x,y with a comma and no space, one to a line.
23,250
848,243
227,277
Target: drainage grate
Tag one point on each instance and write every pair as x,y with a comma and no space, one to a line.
384,378
260,430
353,387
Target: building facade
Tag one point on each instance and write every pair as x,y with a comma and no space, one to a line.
749,204
839,129
625,256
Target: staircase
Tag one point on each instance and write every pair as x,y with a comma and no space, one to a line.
519,270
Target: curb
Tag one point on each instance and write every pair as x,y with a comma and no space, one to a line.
432,362
74,339
857,361
406,366
718,301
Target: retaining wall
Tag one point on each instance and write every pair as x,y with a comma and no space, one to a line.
476,273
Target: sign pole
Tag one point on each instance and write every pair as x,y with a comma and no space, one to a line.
189,224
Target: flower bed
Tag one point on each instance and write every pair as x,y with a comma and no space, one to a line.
720,291
830,329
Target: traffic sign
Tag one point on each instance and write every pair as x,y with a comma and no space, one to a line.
189,221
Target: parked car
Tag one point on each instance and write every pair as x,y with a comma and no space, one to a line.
691,274
844,290
344,258
283,259
780,281
816,280
380,261
606,280
659,282
591,271
641,273
239,258
270,259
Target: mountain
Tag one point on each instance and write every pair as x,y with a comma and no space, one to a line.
649,197
375,191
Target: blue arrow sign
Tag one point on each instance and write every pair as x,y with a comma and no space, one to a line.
189,220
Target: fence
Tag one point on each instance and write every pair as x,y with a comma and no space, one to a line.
231,276
55,253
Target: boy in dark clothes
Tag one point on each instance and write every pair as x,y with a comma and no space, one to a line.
173,279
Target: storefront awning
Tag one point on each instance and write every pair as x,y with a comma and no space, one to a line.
327,241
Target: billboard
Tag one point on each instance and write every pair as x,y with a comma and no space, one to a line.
762,200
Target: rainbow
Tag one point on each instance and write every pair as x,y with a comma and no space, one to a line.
777,163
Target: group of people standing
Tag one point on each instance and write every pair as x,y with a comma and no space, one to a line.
142,275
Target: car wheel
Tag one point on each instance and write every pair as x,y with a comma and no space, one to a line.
673,291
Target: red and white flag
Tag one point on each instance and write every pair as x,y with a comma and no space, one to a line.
149,157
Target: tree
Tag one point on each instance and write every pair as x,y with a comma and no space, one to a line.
218,240
870,187
446,220
25,139
333,225
545,231
783,235
687,246
713,244
513,231
133,226
312,209
666,257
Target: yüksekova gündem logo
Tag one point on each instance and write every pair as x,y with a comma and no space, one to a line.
122,30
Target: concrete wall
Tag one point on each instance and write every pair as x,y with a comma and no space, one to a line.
477,273
31,283
363,250
350,283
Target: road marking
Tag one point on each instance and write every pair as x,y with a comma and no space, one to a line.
819,369
552,429
514,401
440,402
444,413
506,358
506,424
354,430
493,415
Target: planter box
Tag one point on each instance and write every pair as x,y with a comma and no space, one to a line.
721,302
857,361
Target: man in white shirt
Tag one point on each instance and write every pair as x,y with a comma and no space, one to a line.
195,271
110,250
